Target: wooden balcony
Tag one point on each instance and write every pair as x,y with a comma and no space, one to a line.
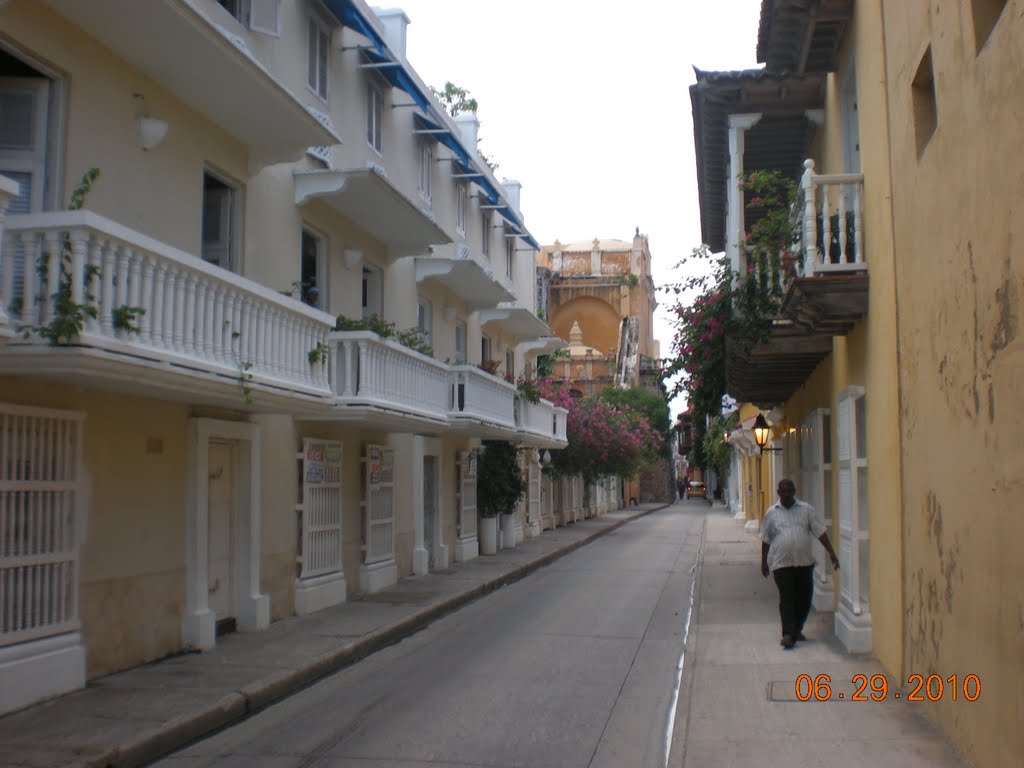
155,321
769,373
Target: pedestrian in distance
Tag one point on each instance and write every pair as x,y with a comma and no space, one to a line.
681,487
787,537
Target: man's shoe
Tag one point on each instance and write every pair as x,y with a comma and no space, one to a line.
788,642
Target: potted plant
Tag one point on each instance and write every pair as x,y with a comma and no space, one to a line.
499,486
490,365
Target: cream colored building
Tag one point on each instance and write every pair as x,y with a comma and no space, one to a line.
202,451
890,376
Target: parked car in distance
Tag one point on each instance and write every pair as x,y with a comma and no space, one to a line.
696,490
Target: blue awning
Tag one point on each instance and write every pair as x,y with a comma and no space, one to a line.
378,52
443,134
380,57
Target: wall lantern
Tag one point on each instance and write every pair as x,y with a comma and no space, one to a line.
761,434
151,131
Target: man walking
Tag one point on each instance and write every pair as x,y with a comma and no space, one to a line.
787,535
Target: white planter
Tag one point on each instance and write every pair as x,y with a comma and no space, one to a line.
508,531
488,534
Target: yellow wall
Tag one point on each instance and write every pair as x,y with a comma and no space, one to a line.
957,209
133,553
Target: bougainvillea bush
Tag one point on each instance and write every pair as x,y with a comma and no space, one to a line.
605,439
739,307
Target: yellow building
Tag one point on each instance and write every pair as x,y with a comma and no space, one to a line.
889,375
191,442
600,298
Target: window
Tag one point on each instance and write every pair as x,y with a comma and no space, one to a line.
258,15
318,46
985,14
485,348
460,342
925,111
426,167
220,241
425,319
374,114
460,207
371,292
239,9
313,258
510,253
510,364
485,238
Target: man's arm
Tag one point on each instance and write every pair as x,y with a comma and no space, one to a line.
764,558
828,548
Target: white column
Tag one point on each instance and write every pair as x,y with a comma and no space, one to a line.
734,225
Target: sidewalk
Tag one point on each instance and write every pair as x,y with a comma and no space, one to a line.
132,717
739,692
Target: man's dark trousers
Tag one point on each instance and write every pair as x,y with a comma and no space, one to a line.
796,588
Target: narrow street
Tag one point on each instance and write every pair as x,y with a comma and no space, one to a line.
574,665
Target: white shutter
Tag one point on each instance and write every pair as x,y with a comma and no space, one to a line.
379,469
320,507
265,16
41,499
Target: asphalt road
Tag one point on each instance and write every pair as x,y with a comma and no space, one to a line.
575,665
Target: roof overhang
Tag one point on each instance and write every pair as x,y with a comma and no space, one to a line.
367,197
780,140
517,321
543,346
466,278
205,66
802,36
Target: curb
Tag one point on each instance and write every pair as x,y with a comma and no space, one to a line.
250,699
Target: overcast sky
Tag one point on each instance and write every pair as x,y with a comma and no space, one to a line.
587,104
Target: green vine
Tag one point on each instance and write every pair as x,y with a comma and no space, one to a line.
318,354
127,318
245,379
629,280
69,316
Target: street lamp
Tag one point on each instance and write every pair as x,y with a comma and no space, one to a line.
761,434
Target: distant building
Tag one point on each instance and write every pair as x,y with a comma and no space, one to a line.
599,297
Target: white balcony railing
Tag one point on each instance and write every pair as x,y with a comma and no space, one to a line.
372,372
542,422
832,215
191,314
481,396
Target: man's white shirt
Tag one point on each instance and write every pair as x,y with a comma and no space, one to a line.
790,534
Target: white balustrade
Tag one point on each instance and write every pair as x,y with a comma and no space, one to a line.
833,202
193,314
370,371
477,394
541,420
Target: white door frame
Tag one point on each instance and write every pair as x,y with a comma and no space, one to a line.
198,622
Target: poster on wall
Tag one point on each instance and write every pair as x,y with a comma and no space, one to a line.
314,463
373,456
